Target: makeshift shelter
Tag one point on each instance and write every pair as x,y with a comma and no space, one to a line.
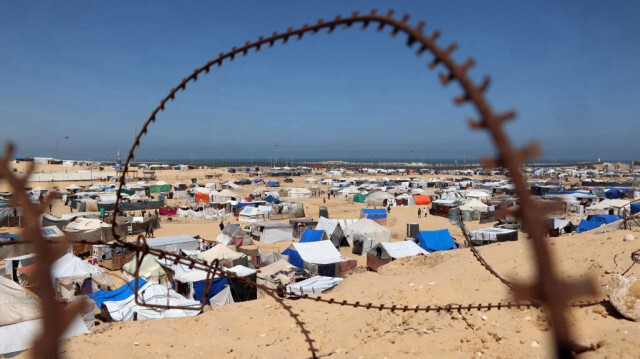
72,276
242,291
313,285
274,276
299,193
379,215
224,254
334,228
19,320
12,264
193,284
173,244
251,214
442,207
367,228
223,298
321,257
422,199
235,235
385,252
224,196
492,235
595,221
273,235
438,240
154,294
557,226
150,270
118,294
359,198
160,187
313,235
202,197
608,206
379,198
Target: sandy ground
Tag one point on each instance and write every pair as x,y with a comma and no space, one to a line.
263,329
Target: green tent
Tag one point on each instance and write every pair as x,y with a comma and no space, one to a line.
159,188
359,198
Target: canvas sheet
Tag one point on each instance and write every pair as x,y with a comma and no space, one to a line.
20,336
321,252
152,294
273,235
402,249
314,285
223,298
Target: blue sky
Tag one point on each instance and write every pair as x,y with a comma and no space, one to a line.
94,70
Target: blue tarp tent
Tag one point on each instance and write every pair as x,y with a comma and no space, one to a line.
273,184
258,180
593,222
312,235
294,257
120,293
438,240
635,207
272,199
241,205
216,287
374,213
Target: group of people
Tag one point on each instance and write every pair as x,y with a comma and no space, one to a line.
420,212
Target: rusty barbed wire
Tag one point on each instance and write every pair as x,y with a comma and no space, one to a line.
548,289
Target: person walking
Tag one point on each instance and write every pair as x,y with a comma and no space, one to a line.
419,212
221,225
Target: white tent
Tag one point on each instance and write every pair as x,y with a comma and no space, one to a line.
367,228
273,235
15,305
152,293
84,224
173,243
397,250
224,196
20,336
313,285
150,270
378,198
251,214
607,205
334,228
299,193
482,195
270,279
474,205
349,191
69,271
321,252
223,298
219,252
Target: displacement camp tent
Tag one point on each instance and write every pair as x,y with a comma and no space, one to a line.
321,253
492,235
150,270
313,285
299,193
251,214
223,253
422,200
19,320
593,222
155,294
378,215
313,235
234,234
438,240
192,284
273,235
274,275
173,244
70,273
379,198
121,293
334,228
607,206
367,228
386,252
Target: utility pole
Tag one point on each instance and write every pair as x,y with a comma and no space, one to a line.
276,164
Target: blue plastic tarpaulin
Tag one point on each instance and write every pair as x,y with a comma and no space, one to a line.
118,294
272,199
198,288
374,213
294,257
635,207
241,205
273,184
311,235
438,240
596,221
